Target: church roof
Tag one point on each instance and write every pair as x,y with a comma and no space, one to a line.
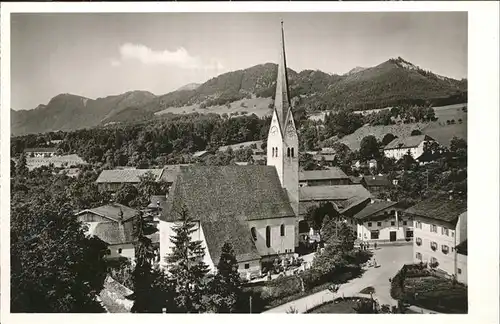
227,193
237,233
282,98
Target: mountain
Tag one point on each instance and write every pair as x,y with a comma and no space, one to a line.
393,82
190,86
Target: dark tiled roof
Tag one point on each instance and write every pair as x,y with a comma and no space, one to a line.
439,208
462,248
406,142
114,232
338,192
376,180
333,173
374,208
40,149
235,232
126,175
112,211
227,193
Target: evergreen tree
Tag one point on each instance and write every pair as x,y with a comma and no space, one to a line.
226,286
187,269
21,166
143,276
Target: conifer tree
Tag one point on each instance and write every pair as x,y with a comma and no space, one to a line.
187,269
226,286
147,295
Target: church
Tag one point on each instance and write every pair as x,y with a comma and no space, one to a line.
253,207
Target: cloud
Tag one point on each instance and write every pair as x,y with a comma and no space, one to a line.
179,58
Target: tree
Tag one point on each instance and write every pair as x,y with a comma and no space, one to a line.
127,195
226,285
369,148
148,297
147,187
21,166
186,266
316,214
55,267
388,138
407,161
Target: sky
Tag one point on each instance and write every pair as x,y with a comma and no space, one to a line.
99,54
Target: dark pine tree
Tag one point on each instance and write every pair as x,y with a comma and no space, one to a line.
187,269
226,286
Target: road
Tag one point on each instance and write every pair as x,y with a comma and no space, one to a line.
390,259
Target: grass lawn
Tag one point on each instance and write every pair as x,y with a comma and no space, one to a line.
438,294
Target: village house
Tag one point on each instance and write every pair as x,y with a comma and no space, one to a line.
112,180
253,207
382,221
462,262
331,177
440,226
376,183
113,224
40,152
398,147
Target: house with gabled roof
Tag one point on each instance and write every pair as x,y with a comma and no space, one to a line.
382,222
440,226
398,147
330,177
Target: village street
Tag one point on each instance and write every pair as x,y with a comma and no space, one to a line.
390,259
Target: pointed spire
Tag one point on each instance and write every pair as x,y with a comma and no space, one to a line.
282,98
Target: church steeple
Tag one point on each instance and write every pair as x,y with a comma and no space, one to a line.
282,98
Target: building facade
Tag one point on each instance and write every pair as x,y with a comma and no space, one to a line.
439,227
400,146
383,221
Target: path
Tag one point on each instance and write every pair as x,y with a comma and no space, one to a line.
390,259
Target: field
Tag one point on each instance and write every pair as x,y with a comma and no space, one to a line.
257,106
443,113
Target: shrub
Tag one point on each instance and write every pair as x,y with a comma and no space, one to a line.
281,287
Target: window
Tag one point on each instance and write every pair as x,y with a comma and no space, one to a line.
268,236
459,271
276,152
418,224
374,235
434,246
452,234
393,212
393,223
444,231
405,223
409,234
282,230
445,249
418,256
247,265
272,151
369,224
293,152
434,260
288,152
379,224
254,233
418,241
434,228
120,251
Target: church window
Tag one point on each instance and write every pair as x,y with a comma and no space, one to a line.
288,152
268,236
292,152
254,233
282,230
276,152
273,151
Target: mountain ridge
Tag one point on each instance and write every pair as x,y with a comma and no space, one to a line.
395,81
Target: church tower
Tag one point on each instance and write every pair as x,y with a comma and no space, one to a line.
282,140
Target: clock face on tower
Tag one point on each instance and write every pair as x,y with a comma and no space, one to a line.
274,130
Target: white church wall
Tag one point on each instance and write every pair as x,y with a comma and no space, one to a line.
279,244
